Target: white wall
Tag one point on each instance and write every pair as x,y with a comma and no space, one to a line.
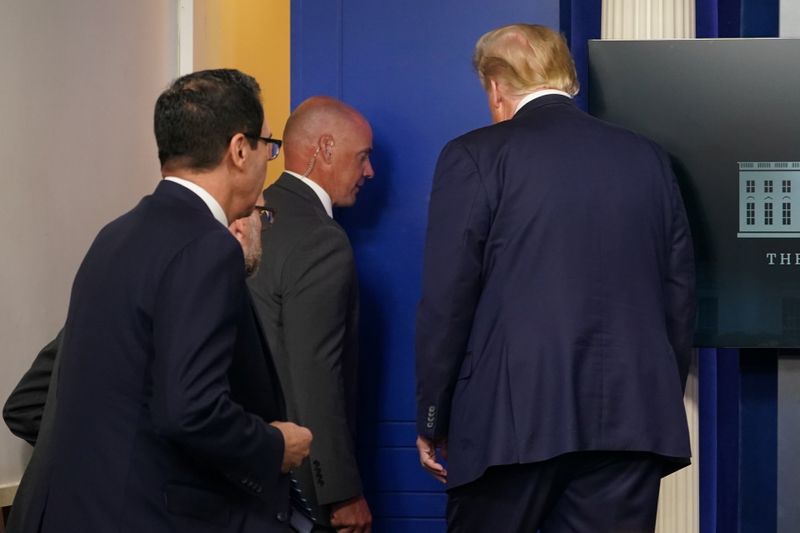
78,81
790,18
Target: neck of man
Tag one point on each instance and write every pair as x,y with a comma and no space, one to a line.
312,173
216,182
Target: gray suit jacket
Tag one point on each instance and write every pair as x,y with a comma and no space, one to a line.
306,293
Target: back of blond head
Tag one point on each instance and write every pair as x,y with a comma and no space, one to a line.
525,57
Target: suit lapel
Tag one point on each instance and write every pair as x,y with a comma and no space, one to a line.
295,186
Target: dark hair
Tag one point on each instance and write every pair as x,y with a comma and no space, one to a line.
198,114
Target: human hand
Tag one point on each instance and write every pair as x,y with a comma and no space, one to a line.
352,516
296,444
427,457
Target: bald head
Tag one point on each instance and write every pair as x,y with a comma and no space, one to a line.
329,142
315,117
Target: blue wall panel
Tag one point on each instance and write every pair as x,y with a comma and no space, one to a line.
729,18
760,18
407,67
719,375
316,60
407,525
758,417
580,22
402,504
737,18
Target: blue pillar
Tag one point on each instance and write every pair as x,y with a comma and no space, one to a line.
580,22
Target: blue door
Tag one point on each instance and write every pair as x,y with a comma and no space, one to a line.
407,67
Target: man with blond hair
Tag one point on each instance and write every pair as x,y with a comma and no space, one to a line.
555,327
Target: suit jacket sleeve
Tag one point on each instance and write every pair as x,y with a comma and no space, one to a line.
24,408
458,224
680,279
194,333
318,281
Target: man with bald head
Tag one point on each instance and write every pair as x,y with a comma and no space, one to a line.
307,297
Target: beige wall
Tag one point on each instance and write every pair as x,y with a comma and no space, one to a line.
78,81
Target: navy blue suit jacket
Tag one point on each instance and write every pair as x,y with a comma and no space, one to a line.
164,391
557,308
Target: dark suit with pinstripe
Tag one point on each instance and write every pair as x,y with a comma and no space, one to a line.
557,313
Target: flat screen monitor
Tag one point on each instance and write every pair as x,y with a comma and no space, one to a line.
728,113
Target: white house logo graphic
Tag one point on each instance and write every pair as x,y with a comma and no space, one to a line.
769,197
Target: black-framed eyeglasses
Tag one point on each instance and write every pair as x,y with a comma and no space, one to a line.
267,215
274,145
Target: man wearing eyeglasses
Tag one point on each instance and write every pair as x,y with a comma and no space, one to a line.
307,296
166,405
24,410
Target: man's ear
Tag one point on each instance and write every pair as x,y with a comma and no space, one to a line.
500,105
239,150
326,145
495,97
238,229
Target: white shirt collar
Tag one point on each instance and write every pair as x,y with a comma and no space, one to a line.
210,201
324,197
537,94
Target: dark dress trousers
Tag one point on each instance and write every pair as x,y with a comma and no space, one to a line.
557,305
159,422
306,293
